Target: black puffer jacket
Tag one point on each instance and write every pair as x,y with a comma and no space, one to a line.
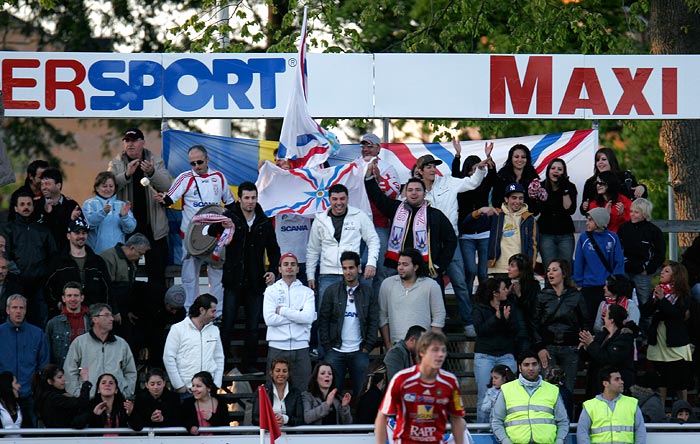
64,269
618,351
245,255
30,245
558,320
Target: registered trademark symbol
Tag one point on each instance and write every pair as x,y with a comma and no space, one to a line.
292,62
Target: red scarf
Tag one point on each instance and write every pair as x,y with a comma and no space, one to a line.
76,321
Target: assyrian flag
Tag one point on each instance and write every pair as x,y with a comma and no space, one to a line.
577,148
302,140
305,191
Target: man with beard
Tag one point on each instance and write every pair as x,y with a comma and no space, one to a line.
78,263
409,299
529,409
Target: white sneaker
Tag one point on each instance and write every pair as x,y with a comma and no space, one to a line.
469,331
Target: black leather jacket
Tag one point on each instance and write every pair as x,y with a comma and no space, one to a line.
332,314
558,320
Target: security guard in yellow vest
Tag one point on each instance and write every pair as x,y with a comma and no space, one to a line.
529,410
611,417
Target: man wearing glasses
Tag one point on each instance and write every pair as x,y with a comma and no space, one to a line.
100,351
199,187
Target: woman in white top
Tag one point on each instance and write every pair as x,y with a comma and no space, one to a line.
10,413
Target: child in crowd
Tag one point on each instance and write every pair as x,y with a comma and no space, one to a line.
500,374
682,413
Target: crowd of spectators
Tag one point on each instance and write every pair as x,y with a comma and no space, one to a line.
77,322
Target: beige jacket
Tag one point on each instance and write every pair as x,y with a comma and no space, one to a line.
160,181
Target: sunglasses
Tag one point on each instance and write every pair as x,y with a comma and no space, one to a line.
196,162
600,182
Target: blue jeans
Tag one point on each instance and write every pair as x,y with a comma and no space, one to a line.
455,271
483,364
355,362
642,285
553,246
695,292
324,281
566,357
470,248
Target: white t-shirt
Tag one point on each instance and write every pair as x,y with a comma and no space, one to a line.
350,336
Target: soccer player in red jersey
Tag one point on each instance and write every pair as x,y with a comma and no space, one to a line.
423,398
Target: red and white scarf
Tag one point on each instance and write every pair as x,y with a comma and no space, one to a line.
224,238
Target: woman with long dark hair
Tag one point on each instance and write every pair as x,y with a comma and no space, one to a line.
606,160
617,291
321,403
56,407
613,345
523,286
609,197
10,413
284,398
474,232
556,200
108,409
500,334
559,314
669,341
517,168
156,405
204,408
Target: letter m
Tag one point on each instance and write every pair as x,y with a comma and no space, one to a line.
505,79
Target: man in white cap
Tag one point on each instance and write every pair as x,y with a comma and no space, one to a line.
388,181
441,192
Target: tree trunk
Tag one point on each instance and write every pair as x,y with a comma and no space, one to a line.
674,29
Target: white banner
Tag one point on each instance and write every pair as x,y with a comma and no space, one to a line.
459,86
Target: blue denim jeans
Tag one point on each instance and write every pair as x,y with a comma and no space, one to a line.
354,362
455,271
642,285
483,364
566,357
553,246
471,249
324,281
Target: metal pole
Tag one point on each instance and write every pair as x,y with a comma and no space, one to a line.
595,128
386,124
223,126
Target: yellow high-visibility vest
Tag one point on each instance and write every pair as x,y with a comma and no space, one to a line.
612,426
530,418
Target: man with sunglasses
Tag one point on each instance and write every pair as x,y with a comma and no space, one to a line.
130,167
348,320
199,187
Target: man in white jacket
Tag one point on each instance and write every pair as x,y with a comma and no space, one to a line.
341,228
289,310
194,345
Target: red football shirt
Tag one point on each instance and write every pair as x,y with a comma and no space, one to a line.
421,409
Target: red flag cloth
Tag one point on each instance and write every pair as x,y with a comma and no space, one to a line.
267,416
